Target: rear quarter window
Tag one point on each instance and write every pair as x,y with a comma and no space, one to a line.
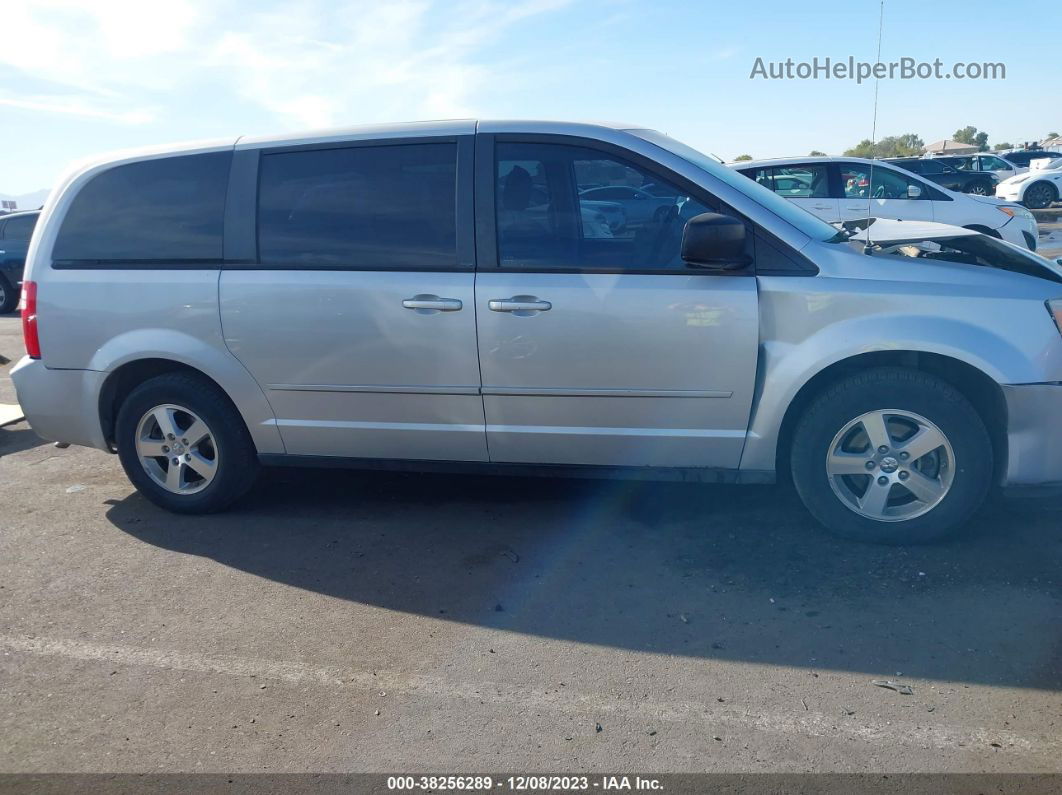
168,209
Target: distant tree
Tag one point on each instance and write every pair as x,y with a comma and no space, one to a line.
1052,135
864,148
1004,145
816,153
970,135
904,145
739,158
907,145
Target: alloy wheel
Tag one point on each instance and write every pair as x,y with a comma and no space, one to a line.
1039,196
890,465
177,449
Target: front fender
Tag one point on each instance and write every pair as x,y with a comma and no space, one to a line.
788,365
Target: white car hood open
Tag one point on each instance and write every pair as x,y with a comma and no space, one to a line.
887,230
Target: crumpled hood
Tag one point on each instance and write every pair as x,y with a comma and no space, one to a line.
887,230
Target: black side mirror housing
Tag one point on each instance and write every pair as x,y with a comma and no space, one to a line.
715,242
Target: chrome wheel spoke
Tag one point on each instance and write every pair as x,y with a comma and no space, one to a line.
876,430
204,467
152,448
875,500
924,442
195,433
164,417
927,489
841,463
174,476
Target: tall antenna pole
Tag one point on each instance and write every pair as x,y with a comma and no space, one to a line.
874,128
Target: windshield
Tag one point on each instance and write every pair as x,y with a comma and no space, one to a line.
807,223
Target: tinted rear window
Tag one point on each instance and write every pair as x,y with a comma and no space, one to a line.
20,228
166,209
387,206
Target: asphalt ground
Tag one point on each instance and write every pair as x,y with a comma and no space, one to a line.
352,621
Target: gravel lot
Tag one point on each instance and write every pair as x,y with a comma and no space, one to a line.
343,621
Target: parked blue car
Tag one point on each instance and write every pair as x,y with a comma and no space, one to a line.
16,229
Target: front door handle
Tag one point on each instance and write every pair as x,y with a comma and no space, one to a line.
521,305
426,304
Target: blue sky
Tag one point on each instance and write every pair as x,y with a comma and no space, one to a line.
79,78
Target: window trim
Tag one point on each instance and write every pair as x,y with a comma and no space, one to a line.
241,209
486,218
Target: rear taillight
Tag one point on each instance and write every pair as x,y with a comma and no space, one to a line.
29,320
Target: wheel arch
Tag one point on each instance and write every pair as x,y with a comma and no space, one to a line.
984,230
128,375
974,384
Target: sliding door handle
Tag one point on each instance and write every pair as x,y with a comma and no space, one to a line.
426,304
522,305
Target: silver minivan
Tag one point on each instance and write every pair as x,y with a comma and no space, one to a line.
463,295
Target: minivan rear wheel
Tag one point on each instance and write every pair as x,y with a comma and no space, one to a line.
183,444
892,456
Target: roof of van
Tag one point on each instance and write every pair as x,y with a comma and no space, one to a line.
783,161
787,160
441,127
363,131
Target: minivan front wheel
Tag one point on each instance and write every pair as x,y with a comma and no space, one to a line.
892,456
183,444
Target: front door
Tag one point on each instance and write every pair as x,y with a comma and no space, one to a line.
358,317
877,191
599,346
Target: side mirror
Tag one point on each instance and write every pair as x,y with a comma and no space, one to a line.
714,241
914,192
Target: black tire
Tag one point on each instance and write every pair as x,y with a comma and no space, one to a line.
1040,195
8,296
237,459
893,389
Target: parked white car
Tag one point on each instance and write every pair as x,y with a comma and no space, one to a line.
1038,188
985,162
841,189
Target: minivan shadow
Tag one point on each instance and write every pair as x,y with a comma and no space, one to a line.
724,572
14,439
